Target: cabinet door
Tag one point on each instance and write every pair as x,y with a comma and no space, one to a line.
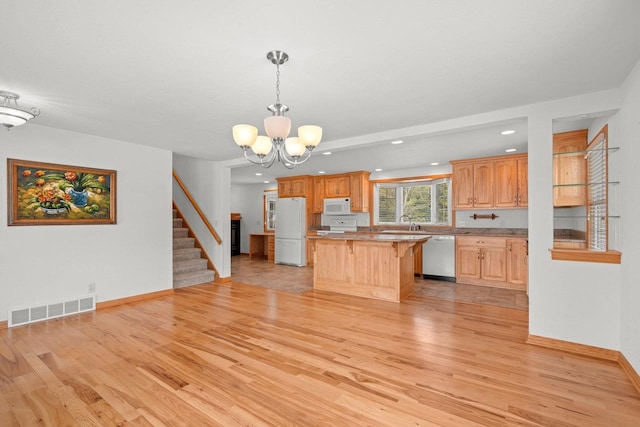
494,264
462,186
517,269
318,194
336,186
298,187
523,182
359,191
569,169
284,188
506,175
467,262
483,180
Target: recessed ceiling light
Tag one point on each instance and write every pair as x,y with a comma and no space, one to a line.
287,164
321,172
507,132
258,174
326,153
266,182
435,164
399,141
378,170
511,150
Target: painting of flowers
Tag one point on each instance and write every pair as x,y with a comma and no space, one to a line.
46,193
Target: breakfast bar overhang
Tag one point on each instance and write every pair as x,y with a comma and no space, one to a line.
378,266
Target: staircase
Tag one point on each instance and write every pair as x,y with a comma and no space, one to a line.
189,268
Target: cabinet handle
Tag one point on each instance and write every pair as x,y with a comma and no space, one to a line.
515,199
509,247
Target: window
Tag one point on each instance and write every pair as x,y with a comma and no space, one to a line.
270,198
597,217
424,201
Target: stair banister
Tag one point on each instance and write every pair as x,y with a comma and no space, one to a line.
197,208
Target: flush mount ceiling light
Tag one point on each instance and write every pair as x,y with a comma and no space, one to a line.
508,132
276,145
11,114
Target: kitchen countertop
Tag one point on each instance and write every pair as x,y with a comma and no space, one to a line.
375,237
449,231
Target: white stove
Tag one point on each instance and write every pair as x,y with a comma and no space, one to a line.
340,226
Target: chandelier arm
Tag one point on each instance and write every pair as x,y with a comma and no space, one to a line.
265,164
297,161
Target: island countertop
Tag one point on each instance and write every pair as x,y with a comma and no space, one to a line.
374,237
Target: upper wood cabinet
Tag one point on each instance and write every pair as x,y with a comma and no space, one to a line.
570,168
359,191
318,194
473,184
491,182
336,186
511,182
295,186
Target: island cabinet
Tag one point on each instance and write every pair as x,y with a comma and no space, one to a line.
570,168
295,186
359,191
318,194
491,261
336,186
511,179
473,184
370,266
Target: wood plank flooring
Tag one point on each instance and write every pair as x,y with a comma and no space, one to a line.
236,354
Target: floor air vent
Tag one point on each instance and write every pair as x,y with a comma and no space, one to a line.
59,308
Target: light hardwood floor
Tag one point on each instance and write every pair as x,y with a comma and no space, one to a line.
237,354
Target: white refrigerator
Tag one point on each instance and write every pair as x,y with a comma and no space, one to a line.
290,231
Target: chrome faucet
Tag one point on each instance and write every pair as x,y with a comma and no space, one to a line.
412,226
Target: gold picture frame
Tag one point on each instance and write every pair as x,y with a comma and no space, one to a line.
52,194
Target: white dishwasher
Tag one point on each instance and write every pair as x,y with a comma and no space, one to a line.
439,258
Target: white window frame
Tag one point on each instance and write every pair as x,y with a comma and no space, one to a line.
400,183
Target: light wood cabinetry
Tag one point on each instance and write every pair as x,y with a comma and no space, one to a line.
309,247
336,186
359,191
417,260
570,169
518,263
491,182
295,186
491,261
511,177
271,248
473,184
318,194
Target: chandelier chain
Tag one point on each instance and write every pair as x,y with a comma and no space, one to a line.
277,83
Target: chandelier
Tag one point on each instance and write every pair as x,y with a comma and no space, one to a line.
10,114
277,146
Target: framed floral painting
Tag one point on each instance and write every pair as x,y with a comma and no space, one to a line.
50,194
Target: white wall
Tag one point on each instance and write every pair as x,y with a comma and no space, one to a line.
48,262
630,226
570,301
210,185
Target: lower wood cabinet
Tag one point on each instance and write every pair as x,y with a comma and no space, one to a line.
491,261
271,248
417,260
309,248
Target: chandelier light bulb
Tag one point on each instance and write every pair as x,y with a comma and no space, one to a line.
244,135
277,126
262,146
310,135
294,147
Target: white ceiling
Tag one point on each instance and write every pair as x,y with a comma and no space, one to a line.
179,74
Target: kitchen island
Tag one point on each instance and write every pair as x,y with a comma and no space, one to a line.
378,266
